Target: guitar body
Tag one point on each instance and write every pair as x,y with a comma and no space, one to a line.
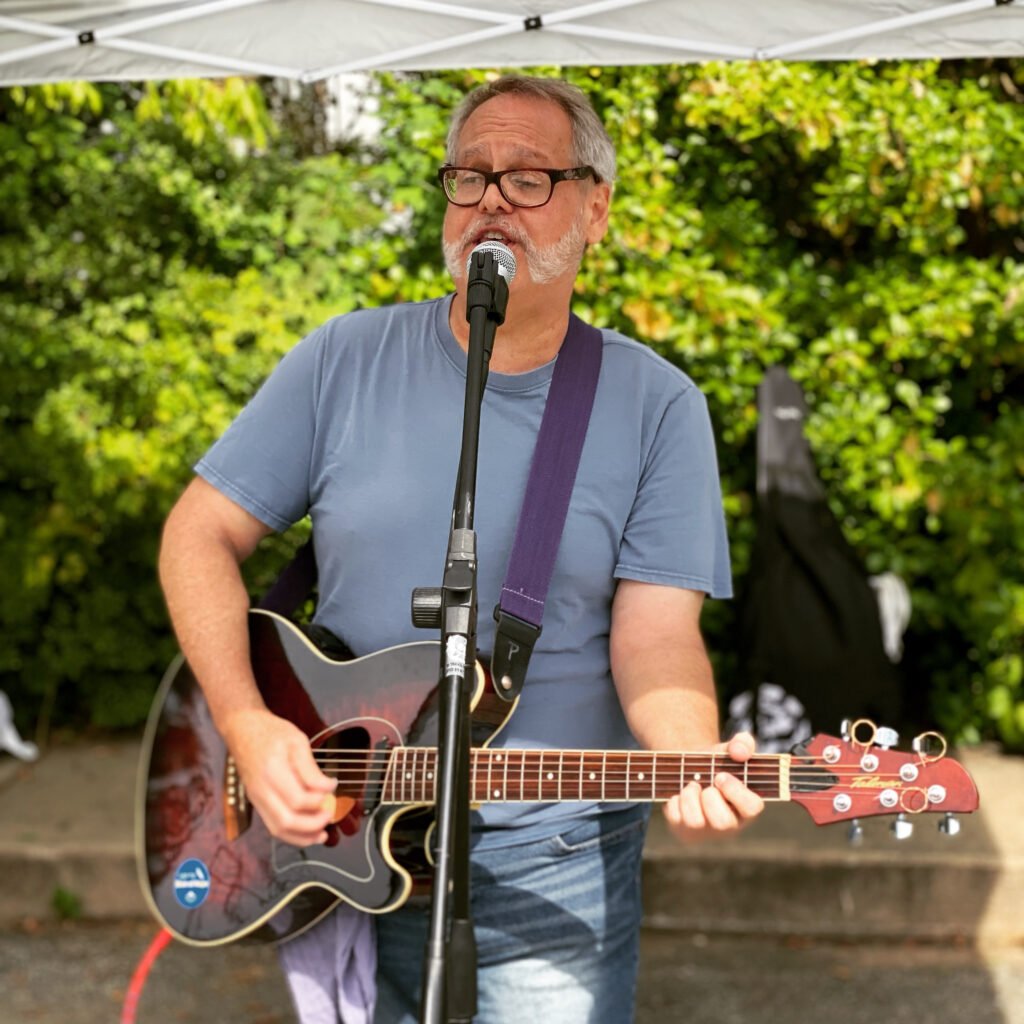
209,868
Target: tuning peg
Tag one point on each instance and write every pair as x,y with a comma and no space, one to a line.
856,832
844,728
901,828
886,737
949,826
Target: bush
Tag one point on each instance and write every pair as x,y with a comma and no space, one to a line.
859,223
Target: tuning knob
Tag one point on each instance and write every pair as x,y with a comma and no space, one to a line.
855,833
901,828
949,826
886,737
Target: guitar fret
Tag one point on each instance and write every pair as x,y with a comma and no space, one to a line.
641,775
522,775
654,775
782,777
604,772
561,756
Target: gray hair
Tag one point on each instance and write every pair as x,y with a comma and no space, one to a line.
590,142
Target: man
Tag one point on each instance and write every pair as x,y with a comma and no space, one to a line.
359,426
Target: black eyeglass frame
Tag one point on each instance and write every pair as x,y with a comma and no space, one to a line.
555,175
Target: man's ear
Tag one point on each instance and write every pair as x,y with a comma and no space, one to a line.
598,203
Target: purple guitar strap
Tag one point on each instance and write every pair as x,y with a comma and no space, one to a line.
294,585
556,458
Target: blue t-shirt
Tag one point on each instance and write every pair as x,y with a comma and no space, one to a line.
360,427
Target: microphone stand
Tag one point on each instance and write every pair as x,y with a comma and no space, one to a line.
449,968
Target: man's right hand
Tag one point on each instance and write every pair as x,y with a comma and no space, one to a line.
293,797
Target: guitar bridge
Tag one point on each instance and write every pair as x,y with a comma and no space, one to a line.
237,809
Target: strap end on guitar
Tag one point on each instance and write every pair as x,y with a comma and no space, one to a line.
513,645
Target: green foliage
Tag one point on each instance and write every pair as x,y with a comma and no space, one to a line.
860,223
66,905
153,271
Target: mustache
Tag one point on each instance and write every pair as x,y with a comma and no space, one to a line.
511,232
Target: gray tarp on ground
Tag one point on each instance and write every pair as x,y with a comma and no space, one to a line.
315,39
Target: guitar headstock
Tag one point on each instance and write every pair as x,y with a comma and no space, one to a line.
859,775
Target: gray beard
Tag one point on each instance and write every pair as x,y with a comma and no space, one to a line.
545,263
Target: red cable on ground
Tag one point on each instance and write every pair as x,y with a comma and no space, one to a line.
135,986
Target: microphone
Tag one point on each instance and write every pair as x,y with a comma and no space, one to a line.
502,255
489,271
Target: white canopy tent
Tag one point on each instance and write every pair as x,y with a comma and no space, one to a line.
309,40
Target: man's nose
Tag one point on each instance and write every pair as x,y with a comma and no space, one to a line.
492,199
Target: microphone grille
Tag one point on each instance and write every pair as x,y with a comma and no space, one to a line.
502,255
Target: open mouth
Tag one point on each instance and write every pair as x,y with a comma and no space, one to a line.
492,235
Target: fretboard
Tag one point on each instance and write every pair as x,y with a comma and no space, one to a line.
549,776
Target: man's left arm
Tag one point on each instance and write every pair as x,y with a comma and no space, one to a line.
665,685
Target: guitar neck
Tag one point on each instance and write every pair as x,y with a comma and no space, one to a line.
608,776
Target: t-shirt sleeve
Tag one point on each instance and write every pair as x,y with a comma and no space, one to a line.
263,461
675,534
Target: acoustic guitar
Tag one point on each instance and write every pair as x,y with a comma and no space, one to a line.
212,873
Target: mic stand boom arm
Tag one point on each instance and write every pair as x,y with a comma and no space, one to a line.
449,972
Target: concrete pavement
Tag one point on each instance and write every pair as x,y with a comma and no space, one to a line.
66,847
77,973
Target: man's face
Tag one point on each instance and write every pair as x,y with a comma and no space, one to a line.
548,241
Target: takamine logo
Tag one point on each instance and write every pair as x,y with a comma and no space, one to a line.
191,883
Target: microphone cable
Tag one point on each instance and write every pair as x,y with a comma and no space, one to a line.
131,998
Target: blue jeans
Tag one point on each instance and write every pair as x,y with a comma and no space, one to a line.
557,927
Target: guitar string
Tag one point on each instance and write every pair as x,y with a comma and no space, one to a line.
348,756
358,768
362,762
763,759
399,760
618,779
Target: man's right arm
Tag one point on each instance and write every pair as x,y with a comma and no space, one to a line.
206,538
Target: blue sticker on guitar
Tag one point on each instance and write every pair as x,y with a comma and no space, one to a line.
191,883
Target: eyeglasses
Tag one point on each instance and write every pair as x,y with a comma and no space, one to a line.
522,186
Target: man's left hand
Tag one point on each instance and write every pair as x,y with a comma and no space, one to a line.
723,806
